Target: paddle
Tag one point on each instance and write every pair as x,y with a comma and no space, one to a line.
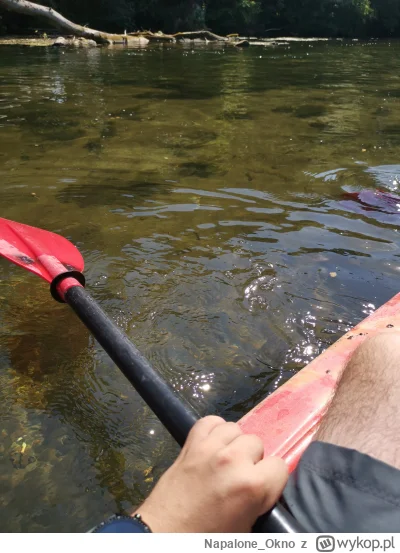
59,262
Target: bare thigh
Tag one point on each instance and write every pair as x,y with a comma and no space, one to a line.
365,412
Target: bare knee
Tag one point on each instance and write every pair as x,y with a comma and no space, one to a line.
377,355
365,411
383,338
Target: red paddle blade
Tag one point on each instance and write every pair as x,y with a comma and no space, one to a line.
44,253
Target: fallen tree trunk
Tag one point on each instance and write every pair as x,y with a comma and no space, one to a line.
178,37
205,35
153,37
37,10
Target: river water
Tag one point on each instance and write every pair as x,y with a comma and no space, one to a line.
205,189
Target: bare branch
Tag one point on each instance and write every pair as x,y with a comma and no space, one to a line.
58,20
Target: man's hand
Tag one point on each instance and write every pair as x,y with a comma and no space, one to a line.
219,483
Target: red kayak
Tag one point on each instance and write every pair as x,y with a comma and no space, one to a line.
288,419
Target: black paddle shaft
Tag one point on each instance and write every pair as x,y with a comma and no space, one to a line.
175,414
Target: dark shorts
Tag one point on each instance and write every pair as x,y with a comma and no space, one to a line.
335,489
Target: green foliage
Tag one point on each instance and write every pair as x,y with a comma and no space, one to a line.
346,18
228,16
110,15
170,15
387,17
328,17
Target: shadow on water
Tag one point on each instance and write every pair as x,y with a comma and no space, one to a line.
109,194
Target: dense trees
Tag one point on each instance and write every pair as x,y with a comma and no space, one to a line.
328,17
299,17
387,16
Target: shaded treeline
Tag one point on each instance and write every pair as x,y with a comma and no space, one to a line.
347,18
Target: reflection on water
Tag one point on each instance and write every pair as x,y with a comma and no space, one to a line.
205,191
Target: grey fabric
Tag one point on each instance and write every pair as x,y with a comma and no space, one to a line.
335,489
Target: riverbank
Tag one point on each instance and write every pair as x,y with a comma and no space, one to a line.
26,41
33,41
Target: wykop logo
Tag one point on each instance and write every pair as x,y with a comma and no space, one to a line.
325,544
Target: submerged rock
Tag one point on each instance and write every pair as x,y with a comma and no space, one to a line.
21,455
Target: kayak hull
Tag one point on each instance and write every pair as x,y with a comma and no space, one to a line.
288,419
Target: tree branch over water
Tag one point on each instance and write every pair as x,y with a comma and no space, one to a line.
58,20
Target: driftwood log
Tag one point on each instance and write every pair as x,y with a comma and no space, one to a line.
242,44
30,8
205,35
153,37
179,37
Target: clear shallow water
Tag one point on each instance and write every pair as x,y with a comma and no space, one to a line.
205,191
